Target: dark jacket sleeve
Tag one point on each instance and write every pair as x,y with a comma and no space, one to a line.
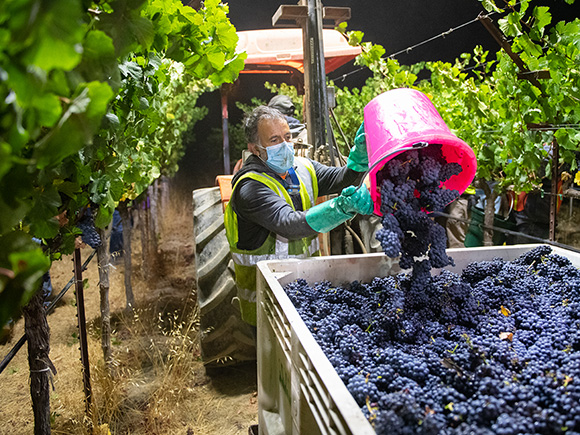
334,179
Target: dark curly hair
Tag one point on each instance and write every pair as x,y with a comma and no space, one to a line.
253,118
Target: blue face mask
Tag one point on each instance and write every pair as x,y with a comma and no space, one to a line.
280,157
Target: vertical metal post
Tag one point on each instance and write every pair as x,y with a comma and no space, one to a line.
554,192
82,321
315,75
226,139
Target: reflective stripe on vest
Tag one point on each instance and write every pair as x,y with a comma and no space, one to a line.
281,252
274,247
306,171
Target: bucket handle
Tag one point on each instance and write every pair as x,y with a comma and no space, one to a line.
415,146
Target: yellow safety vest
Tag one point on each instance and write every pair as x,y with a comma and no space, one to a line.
274,247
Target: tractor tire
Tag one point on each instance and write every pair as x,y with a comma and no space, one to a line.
225,338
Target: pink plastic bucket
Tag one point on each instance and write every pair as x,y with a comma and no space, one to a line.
401,117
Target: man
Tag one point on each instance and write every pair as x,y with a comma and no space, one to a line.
272,212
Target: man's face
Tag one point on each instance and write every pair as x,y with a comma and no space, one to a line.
271,132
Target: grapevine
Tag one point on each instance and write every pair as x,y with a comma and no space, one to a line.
93,101
483,100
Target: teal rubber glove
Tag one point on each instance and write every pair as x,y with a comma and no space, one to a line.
330,214
358,158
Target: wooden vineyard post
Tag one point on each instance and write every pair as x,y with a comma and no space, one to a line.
144,230
163,199
103,259
82,323
38,335
127,230
153,218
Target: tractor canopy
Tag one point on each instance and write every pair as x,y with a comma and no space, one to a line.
272,51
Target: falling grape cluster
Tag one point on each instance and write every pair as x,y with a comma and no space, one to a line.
89,234
411,187
495,350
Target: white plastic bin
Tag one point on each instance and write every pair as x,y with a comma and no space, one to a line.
299,392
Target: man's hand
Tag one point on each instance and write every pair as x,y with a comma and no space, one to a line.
353,200
330,214
358,158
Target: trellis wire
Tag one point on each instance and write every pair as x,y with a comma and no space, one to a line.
551,127
433,38
408,49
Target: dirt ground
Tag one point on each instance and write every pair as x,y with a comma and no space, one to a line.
159,384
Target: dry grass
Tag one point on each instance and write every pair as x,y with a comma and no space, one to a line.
157,383
153,374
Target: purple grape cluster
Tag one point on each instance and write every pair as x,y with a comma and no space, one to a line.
411,186
495,350
89,233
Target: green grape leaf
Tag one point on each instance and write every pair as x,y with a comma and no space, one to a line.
568,139
543,16
104,216
59,36
111,122
24,264
116,191
25,84
67,137
58,83
231,72
143,103
131,69
48,108
226,34
342,27
355,37
100,95
43,213
99,60
126,27
490,6
12,212
510,25
5,158
216,59
143,30
76,126
531,49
